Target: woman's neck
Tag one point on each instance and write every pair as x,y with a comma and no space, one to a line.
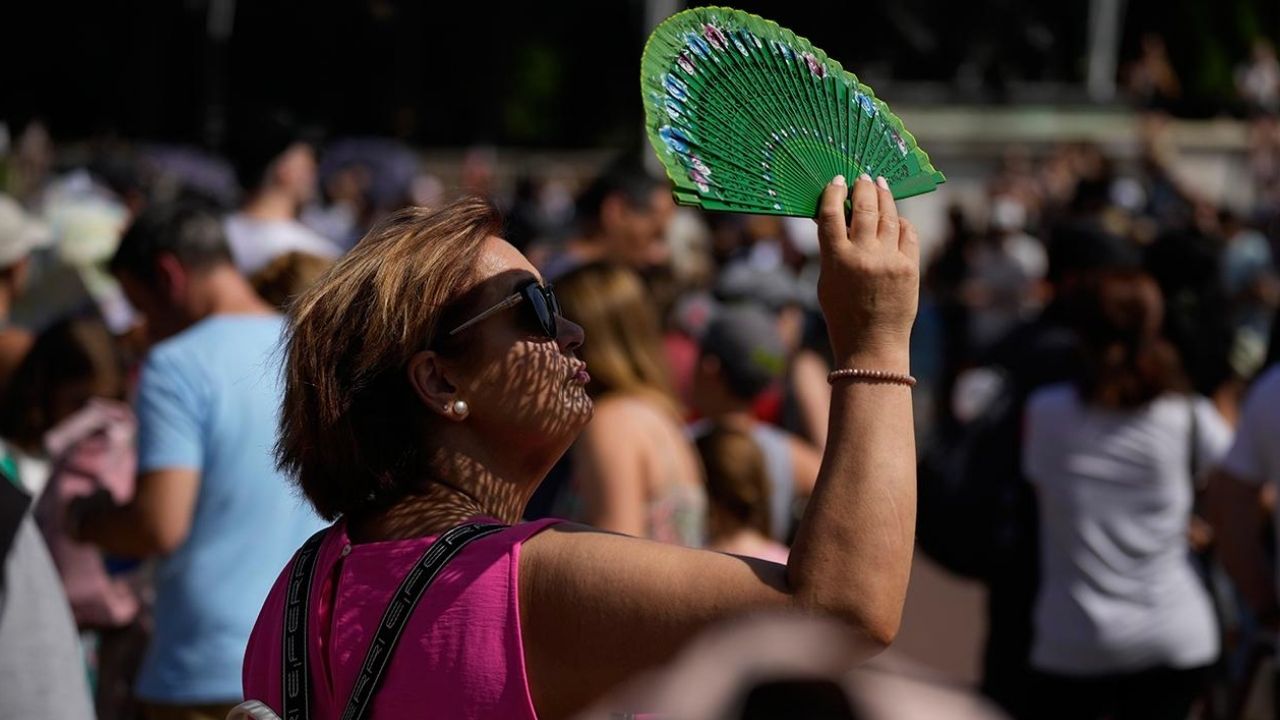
465,489
430,512
271,204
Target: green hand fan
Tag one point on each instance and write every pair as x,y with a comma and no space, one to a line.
748,117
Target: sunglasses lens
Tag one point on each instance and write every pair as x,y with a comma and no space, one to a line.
544,309
554,302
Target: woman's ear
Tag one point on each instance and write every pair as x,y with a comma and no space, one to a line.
429,379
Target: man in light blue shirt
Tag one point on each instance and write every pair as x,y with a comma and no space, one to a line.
210,502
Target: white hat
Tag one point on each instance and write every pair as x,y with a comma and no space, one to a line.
19,232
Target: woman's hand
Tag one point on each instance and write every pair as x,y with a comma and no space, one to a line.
1199,534
870,282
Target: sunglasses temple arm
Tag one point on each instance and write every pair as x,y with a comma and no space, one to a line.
509,302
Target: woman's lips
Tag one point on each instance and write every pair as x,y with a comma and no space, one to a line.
581,376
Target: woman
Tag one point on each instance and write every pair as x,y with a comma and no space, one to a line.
65,410
1123,625
739,514
430,382
634,470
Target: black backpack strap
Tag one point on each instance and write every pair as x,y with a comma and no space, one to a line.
397,615
295,687
394,619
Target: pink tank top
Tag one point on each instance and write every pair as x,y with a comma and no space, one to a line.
461,654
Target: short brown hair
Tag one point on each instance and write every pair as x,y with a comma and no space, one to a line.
352,430
1117,315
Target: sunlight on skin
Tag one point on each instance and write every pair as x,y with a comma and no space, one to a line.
527,402
532,384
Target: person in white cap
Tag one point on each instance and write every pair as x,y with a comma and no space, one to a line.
20,234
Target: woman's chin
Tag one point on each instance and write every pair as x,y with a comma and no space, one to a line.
562,424
580,407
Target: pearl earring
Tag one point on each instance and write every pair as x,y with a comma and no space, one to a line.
460,408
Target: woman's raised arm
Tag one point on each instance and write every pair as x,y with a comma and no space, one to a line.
597,608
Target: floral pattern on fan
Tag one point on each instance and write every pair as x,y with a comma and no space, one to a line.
748,117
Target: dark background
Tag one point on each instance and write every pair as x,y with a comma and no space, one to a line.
535,74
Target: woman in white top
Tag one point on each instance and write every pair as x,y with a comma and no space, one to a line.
1123,626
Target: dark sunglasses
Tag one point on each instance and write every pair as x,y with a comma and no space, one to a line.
540,298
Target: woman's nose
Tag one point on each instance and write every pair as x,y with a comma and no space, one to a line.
569,334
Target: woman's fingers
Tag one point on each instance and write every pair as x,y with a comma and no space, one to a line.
908,240
831,224
866,211
868,289
887,229
875,220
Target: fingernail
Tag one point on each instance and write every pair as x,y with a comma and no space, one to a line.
881,182
838,180
864,176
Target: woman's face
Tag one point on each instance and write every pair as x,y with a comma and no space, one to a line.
520,385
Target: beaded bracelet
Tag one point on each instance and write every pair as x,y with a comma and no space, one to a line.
871,376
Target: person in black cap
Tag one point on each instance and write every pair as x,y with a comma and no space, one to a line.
774,290
801,401
742,355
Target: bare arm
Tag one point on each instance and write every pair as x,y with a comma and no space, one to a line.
806,462
809,380
1237,514
599,608
155,522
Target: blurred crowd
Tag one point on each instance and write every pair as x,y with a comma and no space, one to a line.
1097,345
1095,411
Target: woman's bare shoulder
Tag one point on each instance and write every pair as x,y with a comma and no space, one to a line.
649,430
631,410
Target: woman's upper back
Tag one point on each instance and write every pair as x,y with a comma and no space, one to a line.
1122,478
460,655
633,439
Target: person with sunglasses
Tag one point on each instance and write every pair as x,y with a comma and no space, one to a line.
429,385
